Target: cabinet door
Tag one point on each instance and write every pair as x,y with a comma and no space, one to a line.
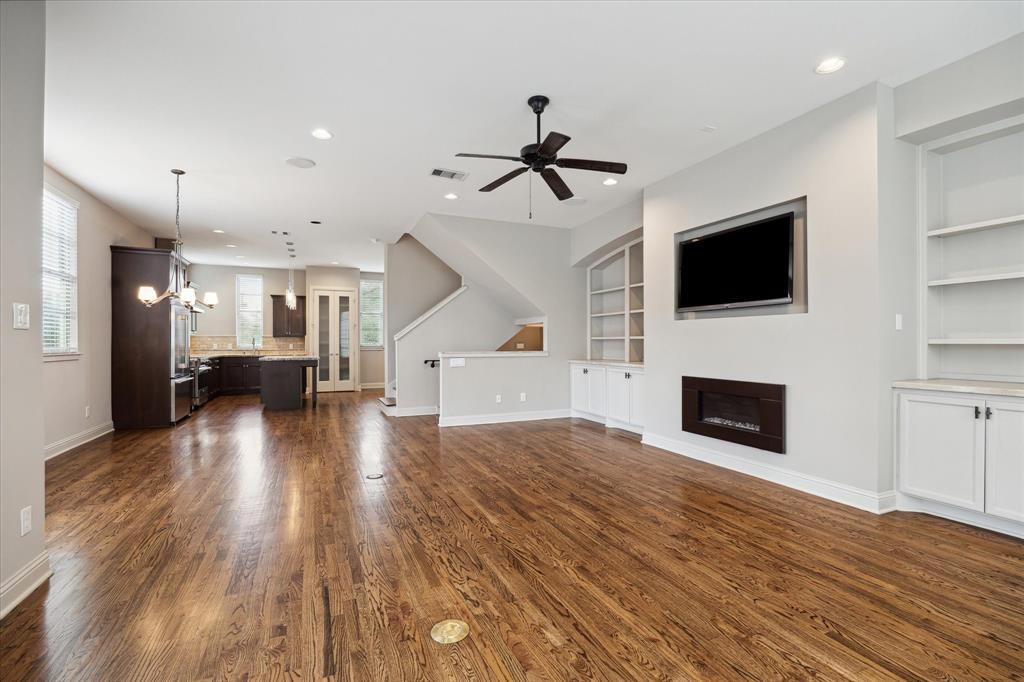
279,313
252,376
578,388
942,449
232,376
596,390
618,394
1004,459
297,318
636,398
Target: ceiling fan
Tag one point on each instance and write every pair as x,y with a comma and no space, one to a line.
540,156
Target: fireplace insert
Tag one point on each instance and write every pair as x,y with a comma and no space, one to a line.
741,412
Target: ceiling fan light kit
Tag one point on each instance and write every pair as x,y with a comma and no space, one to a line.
542,156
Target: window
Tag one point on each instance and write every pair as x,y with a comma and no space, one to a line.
249,311
371,313
60,273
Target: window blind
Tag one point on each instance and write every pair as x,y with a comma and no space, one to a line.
60,274
249,310
371,313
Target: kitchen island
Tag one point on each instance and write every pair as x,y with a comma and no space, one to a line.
282,380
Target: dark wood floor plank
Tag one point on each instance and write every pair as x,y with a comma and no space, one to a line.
244,545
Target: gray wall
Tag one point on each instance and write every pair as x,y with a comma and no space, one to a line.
829,358
414,281
22,55
984,87
221,278
596,238
69,386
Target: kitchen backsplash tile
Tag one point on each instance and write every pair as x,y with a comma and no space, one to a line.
226,345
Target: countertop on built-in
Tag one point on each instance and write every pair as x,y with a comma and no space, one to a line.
288,358
609,363
1010,389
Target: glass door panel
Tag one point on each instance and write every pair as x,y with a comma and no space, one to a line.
323,340
344,338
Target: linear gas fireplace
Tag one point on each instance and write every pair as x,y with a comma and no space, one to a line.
742,412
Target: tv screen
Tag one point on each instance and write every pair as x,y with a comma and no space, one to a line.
748,265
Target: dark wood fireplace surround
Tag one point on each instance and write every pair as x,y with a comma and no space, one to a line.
764,404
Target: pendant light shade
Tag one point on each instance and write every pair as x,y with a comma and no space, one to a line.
188,296
147,295
210,299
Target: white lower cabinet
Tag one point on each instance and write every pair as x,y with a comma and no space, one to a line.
942,449
608,393
966,451
1004,459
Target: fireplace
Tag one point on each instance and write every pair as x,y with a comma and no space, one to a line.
741,412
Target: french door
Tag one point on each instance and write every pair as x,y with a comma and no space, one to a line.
334,332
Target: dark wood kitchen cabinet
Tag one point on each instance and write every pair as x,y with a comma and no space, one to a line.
288,322
239,374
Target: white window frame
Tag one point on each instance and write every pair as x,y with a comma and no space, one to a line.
71,350
247,342
361,313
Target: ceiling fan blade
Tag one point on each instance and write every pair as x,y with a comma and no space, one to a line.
491,156
585,164
504,178
556,183
552,143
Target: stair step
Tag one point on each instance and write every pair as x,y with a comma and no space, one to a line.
387,402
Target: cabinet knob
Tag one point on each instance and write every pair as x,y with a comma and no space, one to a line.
584,370
977,412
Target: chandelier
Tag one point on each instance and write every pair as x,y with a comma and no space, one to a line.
178,288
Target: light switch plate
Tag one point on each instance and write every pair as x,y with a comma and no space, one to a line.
26,520
457,362
20,315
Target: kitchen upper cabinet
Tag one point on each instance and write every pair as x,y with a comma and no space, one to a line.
288,322
942,449
1004,459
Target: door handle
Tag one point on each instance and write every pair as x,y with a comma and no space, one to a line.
977,412
988,413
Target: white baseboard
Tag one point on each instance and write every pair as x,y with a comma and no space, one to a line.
372,385
609,423
502,418
877,503
414,411
908,503
64,444
24,582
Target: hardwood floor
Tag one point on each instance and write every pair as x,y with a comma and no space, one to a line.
245,545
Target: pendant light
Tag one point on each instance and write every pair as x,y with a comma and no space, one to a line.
290,299
178,288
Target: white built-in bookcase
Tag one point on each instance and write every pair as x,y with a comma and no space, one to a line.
615,305
971,210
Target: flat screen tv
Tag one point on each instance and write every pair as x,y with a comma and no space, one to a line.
744,266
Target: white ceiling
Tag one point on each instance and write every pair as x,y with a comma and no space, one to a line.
229,90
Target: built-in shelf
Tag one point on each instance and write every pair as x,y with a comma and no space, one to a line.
607,338
974,227
976,278
611,320
977,341
617,312
638,310
606,291
634,338
638,284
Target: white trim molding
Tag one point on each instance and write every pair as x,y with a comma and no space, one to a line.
24,582
423,318
502,418
876,503
73,441
372,385
909,503
415,411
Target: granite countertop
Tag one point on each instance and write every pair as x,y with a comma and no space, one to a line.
1004,388
289,358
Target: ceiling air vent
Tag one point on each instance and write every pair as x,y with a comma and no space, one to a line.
448,174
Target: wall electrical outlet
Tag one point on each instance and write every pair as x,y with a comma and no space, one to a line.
520,346
291,346
899,322
522,397
26,520
497,398
88,411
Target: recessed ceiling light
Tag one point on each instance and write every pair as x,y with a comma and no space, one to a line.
321,133
289,243
315,222
451,195
708,128
608,182
230,246
830,65
374,240
300,162
334,262
239,256
218,231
